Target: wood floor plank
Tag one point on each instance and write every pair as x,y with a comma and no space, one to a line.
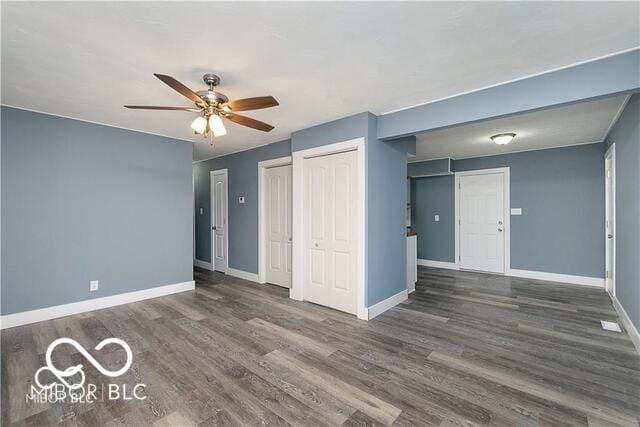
465,349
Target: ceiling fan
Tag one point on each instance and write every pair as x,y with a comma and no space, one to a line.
214,106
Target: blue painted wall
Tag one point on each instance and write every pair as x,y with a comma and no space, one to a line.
85,202
626,135
386,215
561,193
351,127
386,200
604,77
429,197
243,218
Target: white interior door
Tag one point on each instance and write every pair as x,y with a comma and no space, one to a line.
610,223
219,229
331,232
278,225
481,216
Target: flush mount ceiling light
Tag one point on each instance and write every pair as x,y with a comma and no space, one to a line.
503,138
214,107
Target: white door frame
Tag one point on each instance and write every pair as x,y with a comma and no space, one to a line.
611,152
297,280
262,237
212,211
507,213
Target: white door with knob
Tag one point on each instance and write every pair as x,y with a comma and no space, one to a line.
481,222
331,230
278,225
219,229
610,220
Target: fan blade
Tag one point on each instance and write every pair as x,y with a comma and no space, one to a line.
252,103
180,88
249,122
155,107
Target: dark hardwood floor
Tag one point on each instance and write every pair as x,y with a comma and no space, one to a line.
465,349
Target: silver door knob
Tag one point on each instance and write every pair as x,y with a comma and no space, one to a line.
500,230
610,236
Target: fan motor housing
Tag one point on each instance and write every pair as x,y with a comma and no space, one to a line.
212,97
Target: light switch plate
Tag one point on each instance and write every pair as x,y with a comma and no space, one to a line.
201,211
516,211
94,285
241,199
436,218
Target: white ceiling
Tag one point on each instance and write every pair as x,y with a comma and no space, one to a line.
582,123
321,60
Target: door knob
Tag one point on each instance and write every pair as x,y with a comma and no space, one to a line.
214,227
316,245
610,236
500,230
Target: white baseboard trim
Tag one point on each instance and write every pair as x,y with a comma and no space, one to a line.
382,306
555,277
252,277
203,264
438,264
33,316
626,321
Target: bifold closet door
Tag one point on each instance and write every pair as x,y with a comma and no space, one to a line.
331,232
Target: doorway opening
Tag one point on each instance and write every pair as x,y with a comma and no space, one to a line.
482,220
329,224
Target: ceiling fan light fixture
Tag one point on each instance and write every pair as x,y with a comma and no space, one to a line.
216,125
199,125
503,138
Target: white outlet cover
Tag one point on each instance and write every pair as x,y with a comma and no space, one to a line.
241,199
94,285
610,326
516,211
436,218
201,211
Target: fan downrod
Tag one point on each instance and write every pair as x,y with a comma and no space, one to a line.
211,80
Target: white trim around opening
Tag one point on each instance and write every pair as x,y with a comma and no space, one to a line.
262,241
506,214
297,280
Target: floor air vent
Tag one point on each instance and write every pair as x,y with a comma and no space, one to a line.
610,326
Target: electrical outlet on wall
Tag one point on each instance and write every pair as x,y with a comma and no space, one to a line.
436,218
94,285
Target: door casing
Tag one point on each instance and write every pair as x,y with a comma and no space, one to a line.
297,280
212,174
507,213
262,237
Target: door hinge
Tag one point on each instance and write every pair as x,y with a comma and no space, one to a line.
606,275
459,258
459,186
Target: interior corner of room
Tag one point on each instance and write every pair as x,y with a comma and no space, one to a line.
337,225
